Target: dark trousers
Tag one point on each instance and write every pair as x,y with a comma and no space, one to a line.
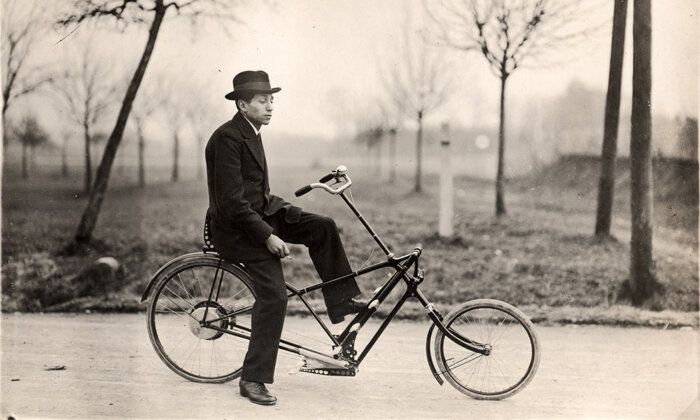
320,235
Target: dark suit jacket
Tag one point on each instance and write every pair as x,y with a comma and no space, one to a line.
239,193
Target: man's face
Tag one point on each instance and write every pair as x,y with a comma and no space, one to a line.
259,110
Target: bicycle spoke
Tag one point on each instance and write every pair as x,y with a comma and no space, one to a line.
474,369
212,359
498,365
178,305
179,343
464,361
495,341
194,275
171,311
182,286
229,301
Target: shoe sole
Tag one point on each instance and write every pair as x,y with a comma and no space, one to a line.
246,395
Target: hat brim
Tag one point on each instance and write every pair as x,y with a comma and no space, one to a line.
232,96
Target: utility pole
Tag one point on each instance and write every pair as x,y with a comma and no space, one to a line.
446,218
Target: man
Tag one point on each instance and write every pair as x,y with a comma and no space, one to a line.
250,226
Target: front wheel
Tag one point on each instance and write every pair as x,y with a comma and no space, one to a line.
514,350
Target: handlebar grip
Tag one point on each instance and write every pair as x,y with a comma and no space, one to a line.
303,190
326,178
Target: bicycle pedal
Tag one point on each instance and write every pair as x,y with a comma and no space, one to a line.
329,371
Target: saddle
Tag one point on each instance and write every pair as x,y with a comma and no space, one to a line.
208,244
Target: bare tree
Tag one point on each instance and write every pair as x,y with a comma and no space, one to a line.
642,281
202,119
606,188
175,116
64,153
19,32
145,107
30,134
419,82
151,12
392,115
370,131
688,137
176,103
87,91
506,33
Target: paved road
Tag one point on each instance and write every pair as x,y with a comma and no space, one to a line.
112,371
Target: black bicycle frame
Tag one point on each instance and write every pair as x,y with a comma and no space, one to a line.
346,339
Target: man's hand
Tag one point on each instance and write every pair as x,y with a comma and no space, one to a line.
276,246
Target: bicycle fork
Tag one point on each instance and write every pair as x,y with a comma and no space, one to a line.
456,337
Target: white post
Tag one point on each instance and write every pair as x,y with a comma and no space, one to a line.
445,228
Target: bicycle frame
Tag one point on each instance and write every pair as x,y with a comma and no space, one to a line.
345,341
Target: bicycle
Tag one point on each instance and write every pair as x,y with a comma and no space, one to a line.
199,321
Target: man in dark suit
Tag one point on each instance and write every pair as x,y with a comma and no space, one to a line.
250,226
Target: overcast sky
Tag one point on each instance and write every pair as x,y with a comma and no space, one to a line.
325,51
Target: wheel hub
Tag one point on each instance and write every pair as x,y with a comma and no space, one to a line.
197,318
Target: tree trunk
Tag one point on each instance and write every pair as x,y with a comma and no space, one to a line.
64,158
418,187
176,157
500,203
25,170
88,160
392,155
89,217
32,158
606,188
4,122
141,147
378,146
368,157
642,280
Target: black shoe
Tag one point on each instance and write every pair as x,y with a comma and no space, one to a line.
336,313
256,392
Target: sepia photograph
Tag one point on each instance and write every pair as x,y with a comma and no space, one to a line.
325,209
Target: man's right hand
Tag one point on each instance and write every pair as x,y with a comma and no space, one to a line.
276,246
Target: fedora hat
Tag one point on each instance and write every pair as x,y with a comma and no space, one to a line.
251,81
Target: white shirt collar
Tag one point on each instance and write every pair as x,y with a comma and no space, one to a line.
257,132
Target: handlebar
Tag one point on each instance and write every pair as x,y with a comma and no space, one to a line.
327,177
340,176
342,183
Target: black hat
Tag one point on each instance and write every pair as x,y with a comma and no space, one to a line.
251,81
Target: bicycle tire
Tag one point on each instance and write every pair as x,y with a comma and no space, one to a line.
179,299
514,345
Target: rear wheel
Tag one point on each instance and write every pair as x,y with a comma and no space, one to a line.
192,304
514,350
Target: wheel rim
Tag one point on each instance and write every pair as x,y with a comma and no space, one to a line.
191,348
509,362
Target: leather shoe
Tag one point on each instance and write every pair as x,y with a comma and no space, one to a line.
336,313
256,392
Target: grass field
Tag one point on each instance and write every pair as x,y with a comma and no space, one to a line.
540,254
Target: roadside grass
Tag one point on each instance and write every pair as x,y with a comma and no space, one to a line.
540,255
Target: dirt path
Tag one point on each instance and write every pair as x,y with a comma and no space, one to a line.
112,371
